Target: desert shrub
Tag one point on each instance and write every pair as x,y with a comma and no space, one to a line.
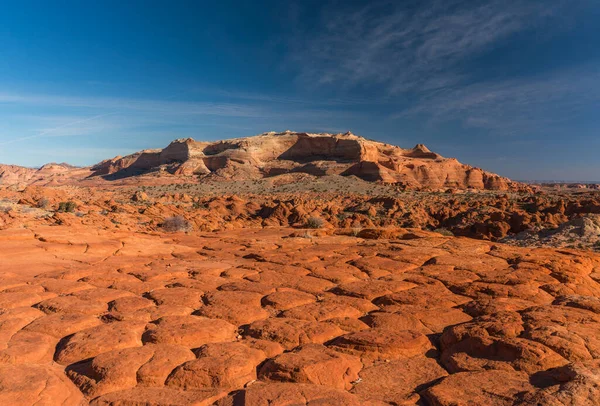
354,231
315,222
67,207
176,223
444,231
199,205
43,203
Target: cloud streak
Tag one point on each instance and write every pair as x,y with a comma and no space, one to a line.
512,107
109,116
123,105
422,59
414,48
56,131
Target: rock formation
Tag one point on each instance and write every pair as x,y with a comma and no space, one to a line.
255,317
273,154
13,174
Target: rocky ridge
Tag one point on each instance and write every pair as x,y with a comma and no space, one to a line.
271,155
483,215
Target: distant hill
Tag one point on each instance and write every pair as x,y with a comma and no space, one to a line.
269,155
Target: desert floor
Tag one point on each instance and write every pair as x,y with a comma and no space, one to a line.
274,317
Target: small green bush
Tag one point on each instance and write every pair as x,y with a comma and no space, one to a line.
176,223
355,231
43,203
315,222
444,232
67,207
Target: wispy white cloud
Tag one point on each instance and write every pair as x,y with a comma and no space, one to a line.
124,104
402,46
69,128
95,153
420,56
516,106
84,116
347,100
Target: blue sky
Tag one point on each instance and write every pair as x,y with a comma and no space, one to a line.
510,86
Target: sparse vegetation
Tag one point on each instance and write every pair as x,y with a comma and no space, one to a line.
66,207
444,232
355,231
176,223
315,222
43,203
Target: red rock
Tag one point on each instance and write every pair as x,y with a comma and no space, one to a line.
291,394
237,308
165,358
287,299
507,313
10,300
270,348
372,289
572,332
376,266
397,382
380,344
26,347
433,295
101,294
37,384
177,296
97,340
149,314
12,320
481,388
348,324
395,322
472,346
313,363
322,311
219,365
255,158
438,319
124,369
62,324
72,304
339,273
247,286
129,304
142,396
189,331
291,332
576,384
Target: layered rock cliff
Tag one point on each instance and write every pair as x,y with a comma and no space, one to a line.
272,154
12,174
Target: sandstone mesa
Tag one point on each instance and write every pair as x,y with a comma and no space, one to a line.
272,154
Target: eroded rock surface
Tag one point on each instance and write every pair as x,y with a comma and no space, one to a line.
261,318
